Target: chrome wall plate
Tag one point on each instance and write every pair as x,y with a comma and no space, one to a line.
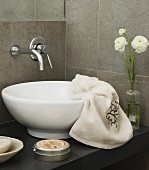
34,44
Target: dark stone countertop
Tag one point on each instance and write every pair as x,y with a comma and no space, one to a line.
82,157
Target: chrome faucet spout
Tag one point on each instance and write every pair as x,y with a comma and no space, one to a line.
39,58
37,51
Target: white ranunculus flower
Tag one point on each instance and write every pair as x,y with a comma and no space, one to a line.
140,44
122,31
120,44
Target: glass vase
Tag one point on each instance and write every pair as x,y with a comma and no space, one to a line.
132,105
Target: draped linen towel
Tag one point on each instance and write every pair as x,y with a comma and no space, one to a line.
103,123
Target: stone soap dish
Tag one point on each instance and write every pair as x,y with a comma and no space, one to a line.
14,147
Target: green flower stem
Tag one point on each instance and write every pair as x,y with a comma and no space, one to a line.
133,81
128,70
130,66
127,67
133,67
129,42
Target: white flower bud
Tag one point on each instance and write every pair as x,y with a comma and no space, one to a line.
122,31
120,44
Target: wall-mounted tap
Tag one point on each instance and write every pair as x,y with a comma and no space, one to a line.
37,50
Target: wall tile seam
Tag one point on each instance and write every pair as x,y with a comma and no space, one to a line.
35,14
35,10
113,72
66,2
110,72
11,45
64,9
65,5
98,17
69,67
12,22
80,68
35,21
65,53
64,14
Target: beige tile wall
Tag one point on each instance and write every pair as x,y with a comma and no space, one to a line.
92,26
31,10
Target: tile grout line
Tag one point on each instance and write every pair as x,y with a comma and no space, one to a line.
65,49
35,10
108,71
81,68
65,39
98,17
64,9
12,64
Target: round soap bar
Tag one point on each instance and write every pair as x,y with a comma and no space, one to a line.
4,145
52,144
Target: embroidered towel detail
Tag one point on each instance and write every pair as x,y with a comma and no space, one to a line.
103,123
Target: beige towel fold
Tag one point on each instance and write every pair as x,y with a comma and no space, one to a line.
102,123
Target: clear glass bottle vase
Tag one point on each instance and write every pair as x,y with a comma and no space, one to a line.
132,104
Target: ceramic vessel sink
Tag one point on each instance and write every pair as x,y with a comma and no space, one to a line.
45,107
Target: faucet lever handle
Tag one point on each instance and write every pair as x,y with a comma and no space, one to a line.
44,49
49,60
